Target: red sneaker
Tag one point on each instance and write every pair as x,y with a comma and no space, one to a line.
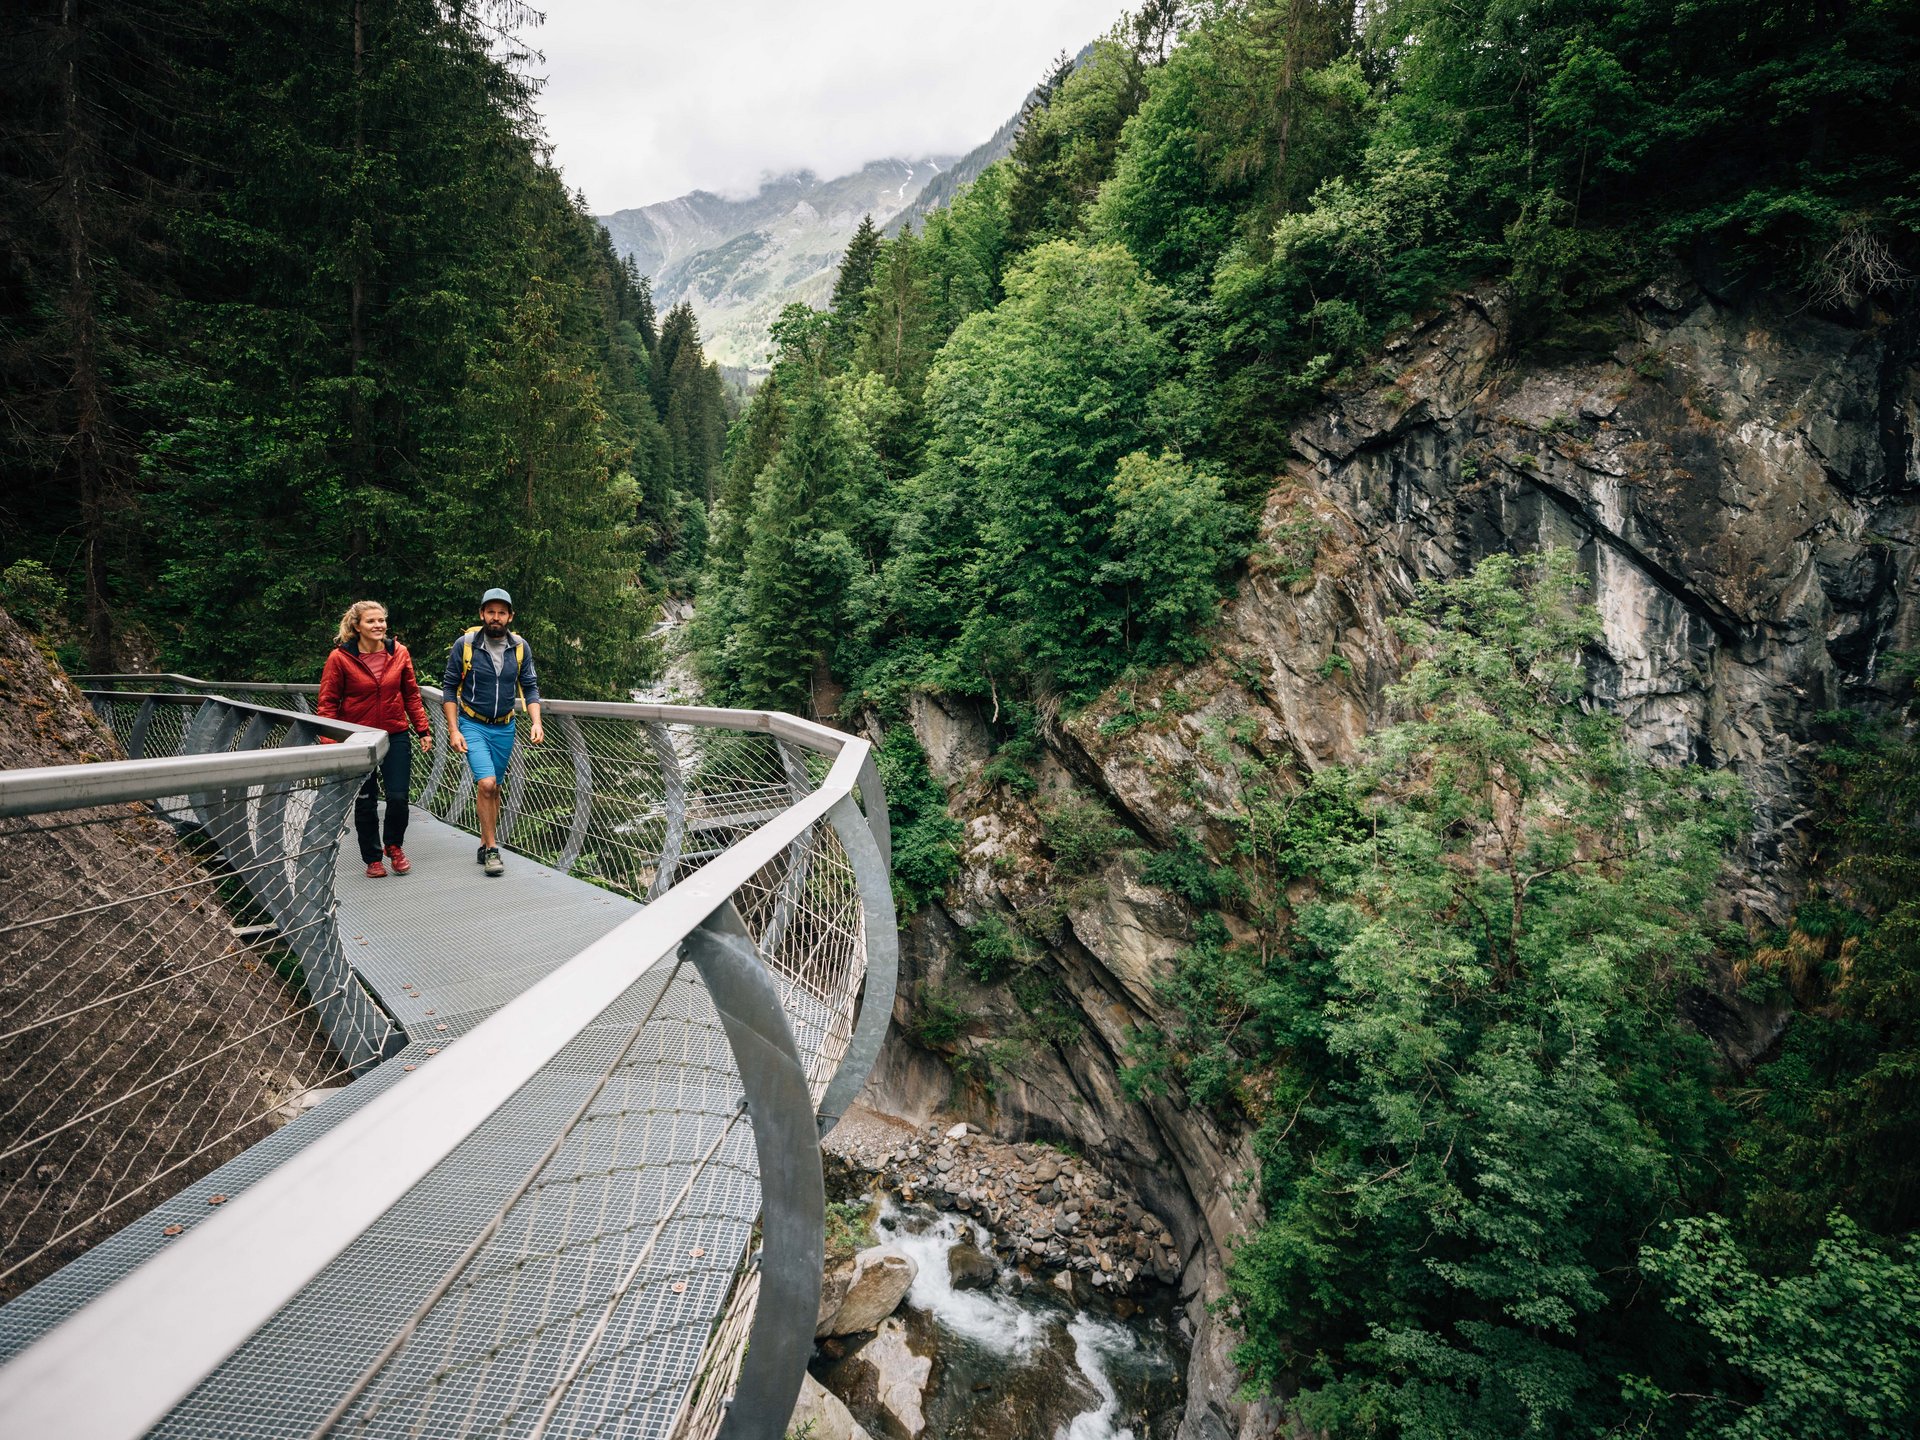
376,870
401,865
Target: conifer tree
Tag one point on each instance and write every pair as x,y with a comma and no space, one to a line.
898,331
850,286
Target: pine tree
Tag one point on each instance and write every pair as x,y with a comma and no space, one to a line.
94,169
850,286
542,512
798,563
898,334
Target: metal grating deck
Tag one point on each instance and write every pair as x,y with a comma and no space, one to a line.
441,949
464,944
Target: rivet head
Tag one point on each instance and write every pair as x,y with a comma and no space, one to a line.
433,1049
409,1067
216,1200
698,1251
173,1230
679,1287
441,1026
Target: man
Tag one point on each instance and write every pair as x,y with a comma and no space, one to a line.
488,669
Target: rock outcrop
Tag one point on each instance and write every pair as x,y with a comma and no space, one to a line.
1742,491
820,1415
899,1377
879,1280
1046,1211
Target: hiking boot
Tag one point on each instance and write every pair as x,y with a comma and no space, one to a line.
480,856
401,865
375,870
490,859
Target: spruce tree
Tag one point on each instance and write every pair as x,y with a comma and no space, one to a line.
850,286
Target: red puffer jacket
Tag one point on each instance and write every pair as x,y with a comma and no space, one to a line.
392,703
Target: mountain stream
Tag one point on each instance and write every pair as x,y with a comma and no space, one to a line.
1018,1361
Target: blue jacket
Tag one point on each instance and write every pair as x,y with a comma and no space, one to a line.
487,692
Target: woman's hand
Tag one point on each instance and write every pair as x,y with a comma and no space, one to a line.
426,743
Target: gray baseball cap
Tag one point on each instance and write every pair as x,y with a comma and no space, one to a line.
496,593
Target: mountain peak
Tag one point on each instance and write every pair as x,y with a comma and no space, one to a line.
738,259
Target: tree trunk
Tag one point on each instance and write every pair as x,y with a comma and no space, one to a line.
357,241
86,456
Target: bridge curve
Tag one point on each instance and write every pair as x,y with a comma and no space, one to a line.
533,1211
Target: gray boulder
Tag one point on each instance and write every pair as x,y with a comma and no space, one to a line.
881,1278
969,1269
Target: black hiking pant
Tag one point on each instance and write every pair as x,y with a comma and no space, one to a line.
395,777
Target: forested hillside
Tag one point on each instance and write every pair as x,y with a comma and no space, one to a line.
1443,992
295,311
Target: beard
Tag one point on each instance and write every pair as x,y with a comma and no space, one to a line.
494,628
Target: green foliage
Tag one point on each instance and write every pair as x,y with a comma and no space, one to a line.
33,595
1048,1015
849,1228
1837,1114
938,1018
1482,1059
991,949
1830,1353
1174,537
1032,406
1191,873
352,337
926,840
1083,835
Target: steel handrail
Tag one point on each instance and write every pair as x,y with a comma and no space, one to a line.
110,782
808,734
114,1369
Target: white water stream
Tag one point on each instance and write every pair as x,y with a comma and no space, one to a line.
1006,1325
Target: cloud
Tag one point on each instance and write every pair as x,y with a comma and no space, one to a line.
646,101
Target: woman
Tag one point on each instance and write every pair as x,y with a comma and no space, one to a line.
369,680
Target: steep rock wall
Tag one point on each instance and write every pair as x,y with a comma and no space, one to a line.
1743,491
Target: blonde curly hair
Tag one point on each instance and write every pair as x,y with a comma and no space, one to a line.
350,622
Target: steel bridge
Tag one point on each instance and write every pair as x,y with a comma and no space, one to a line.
286,1151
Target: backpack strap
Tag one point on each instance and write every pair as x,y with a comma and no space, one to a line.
466,669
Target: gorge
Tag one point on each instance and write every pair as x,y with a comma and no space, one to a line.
1740,486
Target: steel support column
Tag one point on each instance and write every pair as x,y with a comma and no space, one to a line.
673,787
576,739
792,1188
875,885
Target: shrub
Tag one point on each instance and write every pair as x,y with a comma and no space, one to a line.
1082,834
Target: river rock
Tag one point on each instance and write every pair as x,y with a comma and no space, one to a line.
881,1278
837,1276
900,1376
969,1269
820,1409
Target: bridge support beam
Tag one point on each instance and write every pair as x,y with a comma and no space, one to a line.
793,1193
858,838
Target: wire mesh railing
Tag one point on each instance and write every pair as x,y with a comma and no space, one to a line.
616,1138
171,990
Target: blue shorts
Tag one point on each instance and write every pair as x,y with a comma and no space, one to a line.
489,748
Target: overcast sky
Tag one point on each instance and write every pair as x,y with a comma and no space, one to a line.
648,99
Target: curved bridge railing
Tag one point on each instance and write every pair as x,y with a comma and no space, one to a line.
620,1121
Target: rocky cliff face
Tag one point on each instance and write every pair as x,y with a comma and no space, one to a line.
1742,489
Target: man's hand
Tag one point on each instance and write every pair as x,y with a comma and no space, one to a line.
457,741
535,733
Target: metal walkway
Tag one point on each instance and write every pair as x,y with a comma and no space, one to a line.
444,947
535,1215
